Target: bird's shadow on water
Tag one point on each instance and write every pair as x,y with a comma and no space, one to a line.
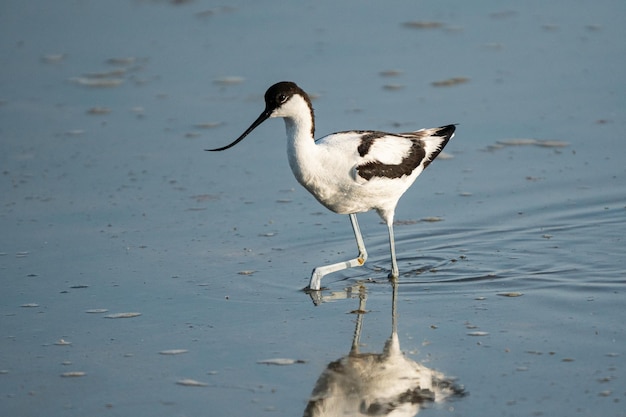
379,384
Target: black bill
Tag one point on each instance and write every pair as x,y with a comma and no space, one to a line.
263,117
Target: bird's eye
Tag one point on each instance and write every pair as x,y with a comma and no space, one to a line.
282,98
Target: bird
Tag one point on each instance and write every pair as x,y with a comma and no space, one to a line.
349,172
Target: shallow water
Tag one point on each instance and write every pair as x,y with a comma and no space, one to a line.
108,202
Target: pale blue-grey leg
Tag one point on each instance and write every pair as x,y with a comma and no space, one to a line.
392,248
320,271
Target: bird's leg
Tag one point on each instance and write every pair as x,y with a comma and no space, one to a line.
320,271
359,240
392,248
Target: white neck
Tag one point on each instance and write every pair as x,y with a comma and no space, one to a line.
301,148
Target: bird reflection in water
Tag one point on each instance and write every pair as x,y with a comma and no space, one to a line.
378,384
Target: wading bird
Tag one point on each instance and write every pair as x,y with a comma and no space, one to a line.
349,172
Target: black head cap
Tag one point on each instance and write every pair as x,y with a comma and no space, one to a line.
275,96
279,93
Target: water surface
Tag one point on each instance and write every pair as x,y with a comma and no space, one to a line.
109,205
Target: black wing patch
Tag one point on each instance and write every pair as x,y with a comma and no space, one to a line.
377,169
416,155
368,139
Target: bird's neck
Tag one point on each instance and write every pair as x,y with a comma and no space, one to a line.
300,130
301,148
299,119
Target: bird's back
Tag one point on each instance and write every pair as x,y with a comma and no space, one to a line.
359,171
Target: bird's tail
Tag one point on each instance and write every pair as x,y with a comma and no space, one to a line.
437,140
